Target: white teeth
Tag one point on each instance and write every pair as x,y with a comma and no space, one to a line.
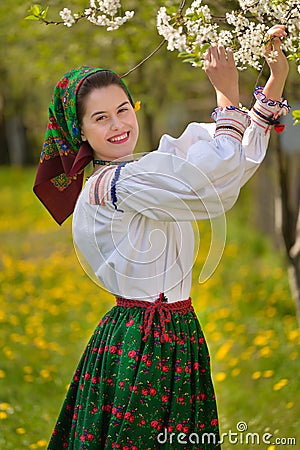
119,138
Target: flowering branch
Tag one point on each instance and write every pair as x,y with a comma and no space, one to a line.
192,30
106,13
243,29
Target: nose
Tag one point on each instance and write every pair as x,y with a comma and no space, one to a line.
115,123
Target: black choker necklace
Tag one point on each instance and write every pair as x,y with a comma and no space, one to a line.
101,162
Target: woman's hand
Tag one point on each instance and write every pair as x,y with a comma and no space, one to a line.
220,67
277,62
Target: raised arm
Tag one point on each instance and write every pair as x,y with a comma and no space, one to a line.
277,63
220,67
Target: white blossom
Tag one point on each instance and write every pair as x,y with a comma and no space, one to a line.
190,32
272,56
105,13
244,29
67,17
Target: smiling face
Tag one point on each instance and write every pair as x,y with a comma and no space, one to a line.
109,123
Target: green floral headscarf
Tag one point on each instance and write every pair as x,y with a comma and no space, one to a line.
60,172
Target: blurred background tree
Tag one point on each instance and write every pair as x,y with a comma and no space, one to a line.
34,56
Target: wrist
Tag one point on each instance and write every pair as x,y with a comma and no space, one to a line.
278,76
274,88
228,99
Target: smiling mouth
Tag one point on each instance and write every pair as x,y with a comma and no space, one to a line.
120,138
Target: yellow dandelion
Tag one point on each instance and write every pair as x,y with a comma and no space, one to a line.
260,340
14,320
223,351
289,405
20,430
247,353
4,406
40,343
229,326
216,336
280,384
235,372
223,313
265,352
3,415
8,353
236,292
2,374
233,362
53,310
271,447
256,375
221,376
41,443
15,337
24,309
293,334
271,311
268,373
45,374
28,378
210,326
55,347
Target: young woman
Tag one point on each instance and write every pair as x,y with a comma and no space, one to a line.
144,379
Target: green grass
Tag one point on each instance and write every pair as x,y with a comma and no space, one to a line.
49,308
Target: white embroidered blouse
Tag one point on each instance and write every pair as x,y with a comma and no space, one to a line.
132,222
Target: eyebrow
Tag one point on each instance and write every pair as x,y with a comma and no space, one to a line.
103,112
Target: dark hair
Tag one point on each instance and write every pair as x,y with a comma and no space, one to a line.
97,80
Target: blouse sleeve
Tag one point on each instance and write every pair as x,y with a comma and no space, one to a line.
193,177
264,114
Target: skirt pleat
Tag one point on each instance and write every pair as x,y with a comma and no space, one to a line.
132,394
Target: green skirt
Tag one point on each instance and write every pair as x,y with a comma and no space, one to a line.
143,383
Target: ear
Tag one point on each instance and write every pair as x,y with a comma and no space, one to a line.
83,138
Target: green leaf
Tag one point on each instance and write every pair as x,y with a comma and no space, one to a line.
172,10
204,48
188,60
296,116
44,13
184,54
31,18
35,10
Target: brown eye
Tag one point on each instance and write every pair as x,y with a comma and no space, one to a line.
100,118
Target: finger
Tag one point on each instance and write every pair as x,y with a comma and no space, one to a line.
207,55
276,43
222,53
214,57
230,57
277,30
207,59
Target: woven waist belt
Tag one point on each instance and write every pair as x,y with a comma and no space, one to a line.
163,308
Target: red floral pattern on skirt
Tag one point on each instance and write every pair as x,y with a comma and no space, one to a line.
126,391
